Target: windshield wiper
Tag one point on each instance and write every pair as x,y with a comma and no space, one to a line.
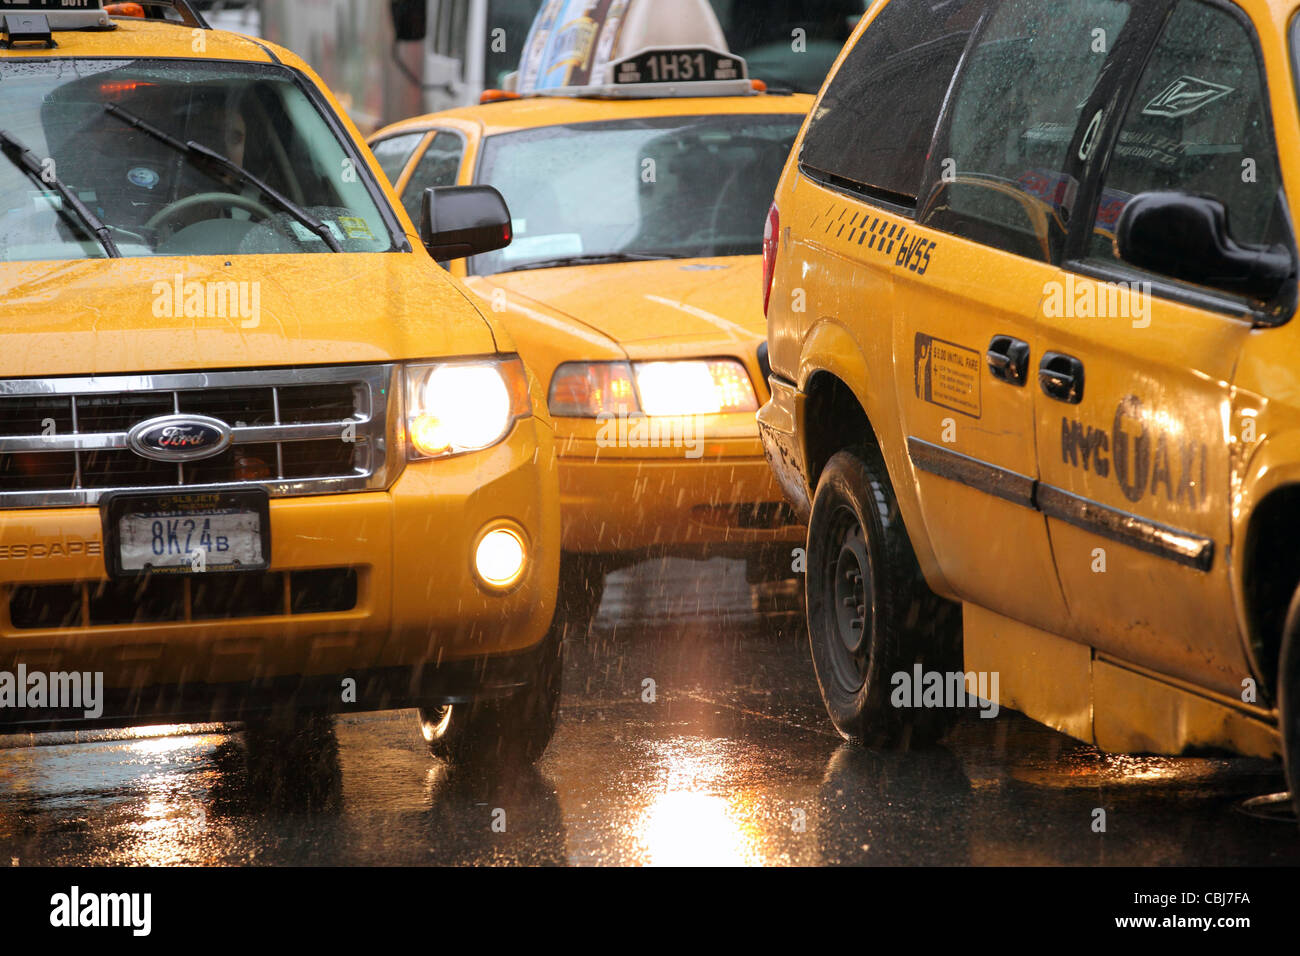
26,160
202,157
589,260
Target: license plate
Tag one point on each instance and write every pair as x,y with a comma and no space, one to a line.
193,532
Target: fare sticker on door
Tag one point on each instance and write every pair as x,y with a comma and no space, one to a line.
947,375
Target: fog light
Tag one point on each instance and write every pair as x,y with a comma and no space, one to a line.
499,558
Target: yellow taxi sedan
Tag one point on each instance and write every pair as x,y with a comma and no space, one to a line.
633,288
260,458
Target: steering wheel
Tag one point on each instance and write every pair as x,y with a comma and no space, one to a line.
234,200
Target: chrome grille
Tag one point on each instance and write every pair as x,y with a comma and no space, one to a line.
298,431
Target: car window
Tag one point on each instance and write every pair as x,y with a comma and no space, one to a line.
157,200
1198,123
439,166
1003,171
671,187
393,153
872,128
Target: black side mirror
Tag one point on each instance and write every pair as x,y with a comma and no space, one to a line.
410,19
460,221
1187,237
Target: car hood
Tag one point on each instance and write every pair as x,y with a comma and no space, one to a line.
88,317
686,301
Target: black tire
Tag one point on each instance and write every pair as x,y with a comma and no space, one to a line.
499,731
1288,698
582,586
858,550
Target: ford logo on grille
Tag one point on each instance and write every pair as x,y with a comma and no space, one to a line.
180,438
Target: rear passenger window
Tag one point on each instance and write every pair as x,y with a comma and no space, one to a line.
1198,123
439,166
393,153
872,129
1003,176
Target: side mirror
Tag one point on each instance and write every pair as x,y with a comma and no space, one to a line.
1187,237
460,221
410,19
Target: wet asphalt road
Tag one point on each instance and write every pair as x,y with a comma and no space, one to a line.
734,762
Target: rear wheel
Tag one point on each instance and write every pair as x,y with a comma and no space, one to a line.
870,613
502,730
1289,698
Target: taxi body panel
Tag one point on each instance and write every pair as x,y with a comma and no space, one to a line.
418,628
1113,556
108,323
621,498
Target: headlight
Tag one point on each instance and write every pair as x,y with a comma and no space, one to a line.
457,407
695,387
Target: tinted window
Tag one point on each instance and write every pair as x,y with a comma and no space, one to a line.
1198,123
393,153
873,126
1004,177
439,166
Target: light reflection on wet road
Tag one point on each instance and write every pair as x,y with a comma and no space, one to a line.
733,763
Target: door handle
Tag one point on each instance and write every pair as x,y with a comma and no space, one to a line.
1061,377
1008,359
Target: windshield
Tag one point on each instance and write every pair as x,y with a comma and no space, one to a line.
675,187
160,200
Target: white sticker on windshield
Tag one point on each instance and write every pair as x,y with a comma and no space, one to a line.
1185,95
544,247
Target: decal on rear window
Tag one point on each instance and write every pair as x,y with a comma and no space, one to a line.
1184,96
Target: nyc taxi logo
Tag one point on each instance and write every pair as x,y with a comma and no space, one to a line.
1144,460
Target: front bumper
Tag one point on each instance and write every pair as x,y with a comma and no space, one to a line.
419,629
777,428
715,497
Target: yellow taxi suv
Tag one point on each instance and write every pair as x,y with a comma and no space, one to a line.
1042,405
259,457
638,162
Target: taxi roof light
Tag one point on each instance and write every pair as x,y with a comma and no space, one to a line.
25,28
633,50
88,15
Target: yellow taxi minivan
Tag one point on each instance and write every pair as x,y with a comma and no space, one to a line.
259,456
638,161
1032,280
